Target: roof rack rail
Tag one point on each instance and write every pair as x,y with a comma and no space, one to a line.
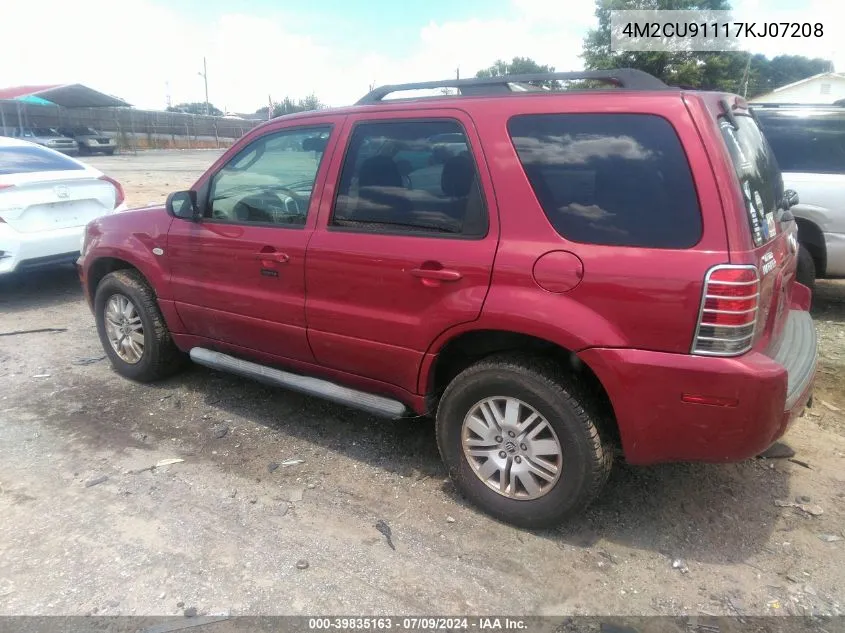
835,104
624,78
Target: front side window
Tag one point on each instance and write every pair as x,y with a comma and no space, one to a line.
410,176
610,179
271,180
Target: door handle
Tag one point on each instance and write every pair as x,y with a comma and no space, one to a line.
441,274
281,258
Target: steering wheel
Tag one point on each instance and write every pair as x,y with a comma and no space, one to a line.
290,193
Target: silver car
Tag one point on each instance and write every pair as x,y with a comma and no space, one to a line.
46,136
90,140
809,145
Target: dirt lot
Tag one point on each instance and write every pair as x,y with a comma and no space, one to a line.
89,526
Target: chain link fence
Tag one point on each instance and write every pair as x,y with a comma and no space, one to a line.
132,129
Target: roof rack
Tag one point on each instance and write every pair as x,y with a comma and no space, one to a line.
624,78
835,104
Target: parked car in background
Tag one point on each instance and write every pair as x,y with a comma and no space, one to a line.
809,144
48,137
46,199
91,141
558,277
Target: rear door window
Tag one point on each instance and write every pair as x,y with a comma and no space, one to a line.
611,179
24,160
804,140
758,173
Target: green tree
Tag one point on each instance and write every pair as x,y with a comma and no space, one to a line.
672,68
289,106
195,107
518,66
732,71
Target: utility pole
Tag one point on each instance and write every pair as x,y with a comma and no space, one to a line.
167,88
458,73
745,76
204,75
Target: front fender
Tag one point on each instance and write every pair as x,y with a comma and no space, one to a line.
130,237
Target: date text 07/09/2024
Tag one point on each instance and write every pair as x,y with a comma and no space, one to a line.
725,30
417,624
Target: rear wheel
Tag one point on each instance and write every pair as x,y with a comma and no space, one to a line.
132,329
806,271
520,441
110,152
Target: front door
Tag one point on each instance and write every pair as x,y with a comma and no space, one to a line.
238,275
404,249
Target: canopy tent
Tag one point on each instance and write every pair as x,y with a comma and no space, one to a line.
65,96
59,96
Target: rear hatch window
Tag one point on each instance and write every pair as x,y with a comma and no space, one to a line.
24,160
758,173
759,178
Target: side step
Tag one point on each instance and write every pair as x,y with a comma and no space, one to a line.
377,405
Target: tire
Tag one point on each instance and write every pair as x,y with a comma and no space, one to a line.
586,455
159,356
806,270
109,152
83,150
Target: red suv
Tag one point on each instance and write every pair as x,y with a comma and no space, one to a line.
556,276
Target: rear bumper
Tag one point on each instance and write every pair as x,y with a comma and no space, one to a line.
761,396
835,251
20,251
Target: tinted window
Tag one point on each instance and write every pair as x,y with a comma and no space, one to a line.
805,141
758,173
23,160
410,176
271,180
615,179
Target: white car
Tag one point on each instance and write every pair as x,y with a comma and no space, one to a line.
46,199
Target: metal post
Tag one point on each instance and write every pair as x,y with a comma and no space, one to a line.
3,117
204,74
20,120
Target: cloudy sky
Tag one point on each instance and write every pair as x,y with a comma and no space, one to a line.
141,49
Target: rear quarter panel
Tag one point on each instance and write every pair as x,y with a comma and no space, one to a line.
628,297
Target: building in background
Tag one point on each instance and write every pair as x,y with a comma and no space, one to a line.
822,88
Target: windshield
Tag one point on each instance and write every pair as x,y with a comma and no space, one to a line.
804,140
758,174
44,131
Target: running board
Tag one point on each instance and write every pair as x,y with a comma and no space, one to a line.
377,405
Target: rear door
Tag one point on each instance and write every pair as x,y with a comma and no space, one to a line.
404,249
41,190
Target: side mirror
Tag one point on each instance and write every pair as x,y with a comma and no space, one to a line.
183,204
790,198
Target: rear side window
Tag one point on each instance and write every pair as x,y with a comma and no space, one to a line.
612,179
812,142
24,160
758,174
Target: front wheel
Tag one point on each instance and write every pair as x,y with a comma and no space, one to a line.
520,442
132,330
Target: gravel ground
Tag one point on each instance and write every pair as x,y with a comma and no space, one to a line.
91,524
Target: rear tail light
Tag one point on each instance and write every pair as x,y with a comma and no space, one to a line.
728,314
119,195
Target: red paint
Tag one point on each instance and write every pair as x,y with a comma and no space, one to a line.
373,311
558,271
